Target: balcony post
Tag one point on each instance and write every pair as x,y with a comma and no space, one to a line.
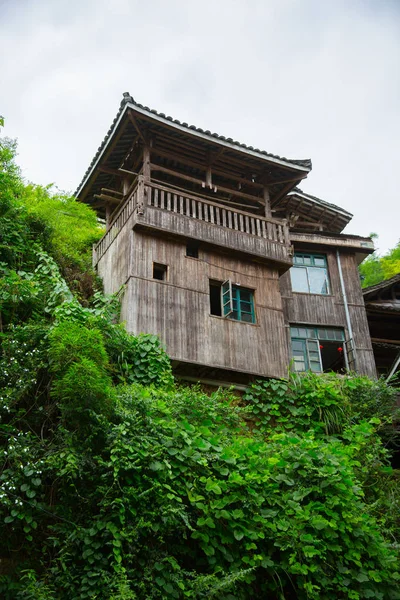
141,195
267,201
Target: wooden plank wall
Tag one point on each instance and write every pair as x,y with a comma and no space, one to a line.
179,309
329,310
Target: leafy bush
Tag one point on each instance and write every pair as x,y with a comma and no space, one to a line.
116,483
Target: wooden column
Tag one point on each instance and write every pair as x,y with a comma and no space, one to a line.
146,163
125,185
209,178
108,215
267,201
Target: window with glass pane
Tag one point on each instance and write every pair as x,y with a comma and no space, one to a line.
317,349
309,274
237,303
243,305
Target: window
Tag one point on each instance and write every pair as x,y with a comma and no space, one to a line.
232,301
160,272
192,249
309,274
318,349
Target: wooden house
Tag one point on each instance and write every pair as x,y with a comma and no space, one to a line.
238,271
382,303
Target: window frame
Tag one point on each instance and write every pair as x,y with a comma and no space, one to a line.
314,334
307,268
234,304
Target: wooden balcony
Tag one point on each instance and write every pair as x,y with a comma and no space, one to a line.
156,207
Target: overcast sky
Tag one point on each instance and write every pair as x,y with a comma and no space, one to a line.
315,79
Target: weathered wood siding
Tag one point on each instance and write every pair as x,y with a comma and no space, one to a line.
313,309
178,309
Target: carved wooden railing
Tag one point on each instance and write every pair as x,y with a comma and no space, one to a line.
168,199
188,205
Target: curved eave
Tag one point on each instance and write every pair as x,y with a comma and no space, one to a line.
296,167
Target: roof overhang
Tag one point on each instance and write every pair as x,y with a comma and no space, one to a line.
332,217
282,174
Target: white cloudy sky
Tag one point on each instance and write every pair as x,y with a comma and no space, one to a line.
299,78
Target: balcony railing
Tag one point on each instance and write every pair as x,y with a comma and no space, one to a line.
151,196
217,214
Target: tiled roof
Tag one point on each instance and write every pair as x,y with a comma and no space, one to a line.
127,99
382,285
334,207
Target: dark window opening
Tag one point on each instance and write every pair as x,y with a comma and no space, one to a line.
160,272
215,299
332,356
192,249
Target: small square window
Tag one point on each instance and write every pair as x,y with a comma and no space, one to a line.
192,249
160,272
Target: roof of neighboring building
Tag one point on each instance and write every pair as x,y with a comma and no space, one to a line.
387,283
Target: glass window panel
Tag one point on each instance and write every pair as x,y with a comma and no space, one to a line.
299,365
315,367
311,333
313,345
302,332
245,295
319,261
331,334
298,259
299,279
307,260
294,332
322,334
246,306
297,345
248,318
318,280
339,334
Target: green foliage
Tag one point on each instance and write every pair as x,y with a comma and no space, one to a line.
72,225
378,268
116,483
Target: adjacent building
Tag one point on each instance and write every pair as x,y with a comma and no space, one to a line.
382,303
221,254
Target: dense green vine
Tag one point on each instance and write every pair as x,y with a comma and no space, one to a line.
119,483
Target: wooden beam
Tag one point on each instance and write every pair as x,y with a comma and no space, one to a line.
136,126
200,182
299,178
117,172
111,191
107,198
285,190
203,167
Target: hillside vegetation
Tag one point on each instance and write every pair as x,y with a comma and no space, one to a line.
119,483
379,268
